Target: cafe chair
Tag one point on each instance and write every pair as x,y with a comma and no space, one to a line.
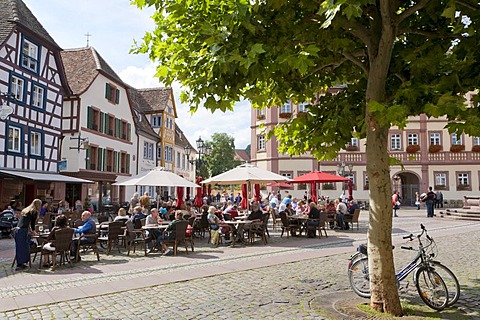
134,237
259,229
320,226
286,225
352,218
180,235
63,244
87,246
113,236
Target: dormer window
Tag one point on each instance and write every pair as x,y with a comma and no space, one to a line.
30,55
112,94
156,121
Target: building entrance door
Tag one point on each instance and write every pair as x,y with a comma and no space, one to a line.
407,184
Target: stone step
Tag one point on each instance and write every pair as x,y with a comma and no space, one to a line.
471,216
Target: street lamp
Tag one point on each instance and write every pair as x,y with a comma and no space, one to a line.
82,143
202,148
341,171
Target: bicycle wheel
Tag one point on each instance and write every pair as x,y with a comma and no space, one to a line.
431,288
356,256
360,278
450,280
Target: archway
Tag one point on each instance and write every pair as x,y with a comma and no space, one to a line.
407,184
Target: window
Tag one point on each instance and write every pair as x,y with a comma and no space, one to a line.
286,108
112,94
261,142
302,107
476,141
18,87
93,118
15,140
354,142
148,150
412,139
395,141
168,154
36,144
38,96
435,138
260,114
462,179
456,140
29,56
440,179
156,121
178,159
286,174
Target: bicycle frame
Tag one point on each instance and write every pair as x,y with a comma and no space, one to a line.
402,274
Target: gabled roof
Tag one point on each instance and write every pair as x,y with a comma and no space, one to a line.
180,139
141,121
242,154
82,65
156,99
15,12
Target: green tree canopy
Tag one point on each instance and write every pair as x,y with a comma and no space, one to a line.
222,156
393,58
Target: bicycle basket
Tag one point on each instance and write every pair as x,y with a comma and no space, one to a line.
362,248
431,250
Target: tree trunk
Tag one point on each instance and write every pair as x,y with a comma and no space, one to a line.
383,283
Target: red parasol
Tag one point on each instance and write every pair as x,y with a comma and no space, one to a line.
179,197
198,198
320,177
257,196
314,192
188,194
350,190
244,203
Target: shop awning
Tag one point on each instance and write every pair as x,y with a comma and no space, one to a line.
42,176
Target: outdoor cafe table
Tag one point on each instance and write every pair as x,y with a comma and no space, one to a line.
238,225
162,227
302,222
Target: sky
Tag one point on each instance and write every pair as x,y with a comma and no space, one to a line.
114,25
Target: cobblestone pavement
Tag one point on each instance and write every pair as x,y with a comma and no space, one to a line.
280,291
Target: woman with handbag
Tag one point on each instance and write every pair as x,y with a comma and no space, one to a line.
25,228
395,203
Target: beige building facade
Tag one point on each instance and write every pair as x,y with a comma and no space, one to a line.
428,156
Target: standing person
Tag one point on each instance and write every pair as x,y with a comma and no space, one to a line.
395,203
238,199
133,203
145,202
417,200
25,228
429,199
439,199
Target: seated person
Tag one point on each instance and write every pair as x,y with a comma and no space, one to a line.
313,214
255,216
137,214
60,223
88,228
153,218
233,212
121,215
215,225
170,231
352,206
341,210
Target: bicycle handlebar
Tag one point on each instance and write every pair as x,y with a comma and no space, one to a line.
408,237
407,248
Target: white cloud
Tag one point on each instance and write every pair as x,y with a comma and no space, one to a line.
202,123
114,24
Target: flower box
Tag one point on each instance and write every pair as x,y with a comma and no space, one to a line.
476,149
327,186
457,148
301,114
440,187
285,115
413,148
463,187
351,148
434,148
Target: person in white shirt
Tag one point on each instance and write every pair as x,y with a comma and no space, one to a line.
341,209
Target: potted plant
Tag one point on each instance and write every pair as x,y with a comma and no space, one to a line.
327,186
476,148
434,148
285,115
350,147
412,148
463,187
457,148
439,187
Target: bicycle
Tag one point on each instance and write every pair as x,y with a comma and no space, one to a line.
436,284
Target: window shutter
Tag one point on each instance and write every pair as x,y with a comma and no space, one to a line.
117,96
102,122
107,91
89,118
115,161
128,164
100,159
129,132
87,158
